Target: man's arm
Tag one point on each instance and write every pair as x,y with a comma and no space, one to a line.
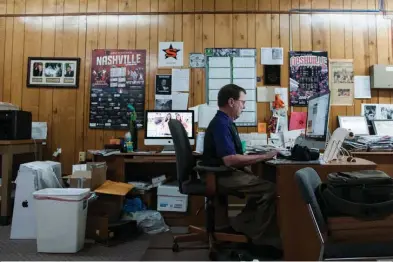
245,160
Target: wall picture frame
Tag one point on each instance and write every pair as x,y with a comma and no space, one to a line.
62,72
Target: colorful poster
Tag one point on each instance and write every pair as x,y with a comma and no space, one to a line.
341,82
308,76
117,80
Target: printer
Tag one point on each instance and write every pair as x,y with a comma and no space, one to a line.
15,125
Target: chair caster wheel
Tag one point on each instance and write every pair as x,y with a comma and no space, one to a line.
175,247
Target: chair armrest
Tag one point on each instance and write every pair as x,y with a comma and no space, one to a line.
215,169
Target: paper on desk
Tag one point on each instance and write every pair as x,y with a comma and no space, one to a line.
272,56
362,86
266,94
290,137
180,80
276,140
179,101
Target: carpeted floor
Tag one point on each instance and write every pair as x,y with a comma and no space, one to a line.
27,250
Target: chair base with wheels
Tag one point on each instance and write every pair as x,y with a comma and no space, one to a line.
209,234
190,183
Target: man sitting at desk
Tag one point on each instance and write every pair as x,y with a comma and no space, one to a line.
222,146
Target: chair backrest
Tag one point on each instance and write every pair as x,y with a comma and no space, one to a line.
185,161
308,181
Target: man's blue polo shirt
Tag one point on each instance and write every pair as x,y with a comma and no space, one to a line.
220,140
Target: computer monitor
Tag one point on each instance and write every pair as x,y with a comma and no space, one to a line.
157,130
318,117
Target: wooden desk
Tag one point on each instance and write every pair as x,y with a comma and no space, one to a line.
384,160
126,166
9,148
299,238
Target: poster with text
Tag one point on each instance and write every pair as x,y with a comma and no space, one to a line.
308,76
341,82
117,80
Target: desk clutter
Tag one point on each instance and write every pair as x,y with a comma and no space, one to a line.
86,205
369,144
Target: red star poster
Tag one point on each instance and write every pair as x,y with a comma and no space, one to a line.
117,80
170,54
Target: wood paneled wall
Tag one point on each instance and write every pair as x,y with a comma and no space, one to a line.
76,27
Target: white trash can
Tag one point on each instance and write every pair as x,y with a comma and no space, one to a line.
61,219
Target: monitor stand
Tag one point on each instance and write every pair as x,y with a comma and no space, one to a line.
168,149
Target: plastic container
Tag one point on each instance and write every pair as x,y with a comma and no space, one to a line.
61,219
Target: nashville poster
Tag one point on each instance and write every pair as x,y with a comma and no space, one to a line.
117,80
308,76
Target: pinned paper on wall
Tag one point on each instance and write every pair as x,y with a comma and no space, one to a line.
179,101
298,120
265,94
272,56
170,54
362,87
180,80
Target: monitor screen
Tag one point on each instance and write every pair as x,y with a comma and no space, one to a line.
157,123
318,116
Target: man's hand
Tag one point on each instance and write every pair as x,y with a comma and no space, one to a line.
269,155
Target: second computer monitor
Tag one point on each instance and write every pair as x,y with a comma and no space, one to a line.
318,117
157,130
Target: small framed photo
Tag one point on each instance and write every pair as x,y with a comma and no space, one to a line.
383,127
53,72
355,124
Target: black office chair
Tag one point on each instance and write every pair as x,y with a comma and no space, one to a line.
190,184
308,181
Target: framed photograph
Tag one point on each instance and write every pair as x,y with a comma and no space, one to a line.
163,84
355,124
53,72
383,127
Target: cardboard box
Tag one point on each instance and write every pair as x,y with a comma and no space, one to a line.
91,175
170,199
110,200
101,230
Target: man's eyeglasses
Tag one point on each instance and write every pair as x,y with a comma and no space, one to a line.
242,101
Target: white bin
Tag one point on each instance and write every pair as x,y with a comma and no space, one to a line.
61,219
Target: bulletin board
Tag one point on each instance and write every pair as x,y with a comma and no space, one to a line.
233,66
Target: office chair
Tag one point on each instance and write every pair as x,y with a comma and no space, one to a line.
333,248
190,184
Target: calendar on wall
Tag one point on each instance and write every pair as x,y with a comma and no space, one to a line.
308,76
233,66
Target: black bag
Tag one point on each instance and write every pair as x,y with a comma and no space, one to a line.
303,153
362,194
